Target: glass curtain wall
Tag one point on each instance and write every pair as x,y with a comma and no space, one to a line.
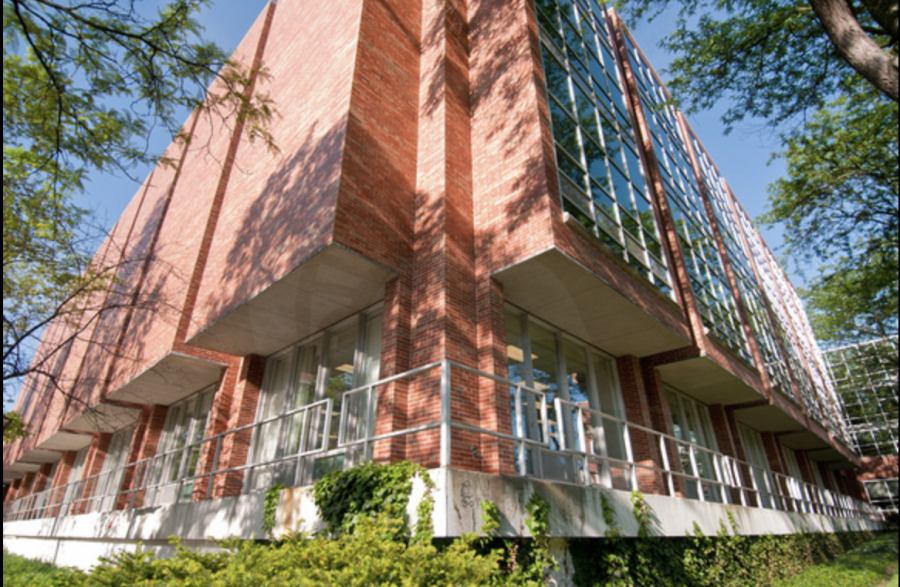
600,172
554,363
691,423
705,266
326,366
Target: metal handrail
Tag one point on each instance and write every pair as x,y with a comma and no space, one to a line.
531,431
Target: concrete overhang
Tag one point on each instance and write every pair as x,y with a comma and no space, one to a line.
769,418
331,285
9,476
707,381
804,440
20,467
172,378
556,288
63,441
40,456
106,418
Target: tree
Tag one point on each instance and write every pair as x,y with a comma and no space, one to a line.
825,70
840,203
84,83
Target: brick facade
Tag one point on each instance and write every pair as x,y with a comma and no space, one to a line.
414,136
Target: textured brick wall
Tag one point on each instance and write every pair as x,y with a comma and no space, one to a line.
241,412
93,465
266,195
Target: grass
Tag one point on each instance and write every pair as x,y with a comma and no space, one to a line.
874,564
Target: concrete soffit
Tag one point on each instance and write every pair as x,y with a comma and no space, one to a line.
172,378
556,288
330,285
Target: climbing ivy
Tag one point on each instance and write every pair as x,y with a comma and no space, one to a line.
343,498
723,560
270,507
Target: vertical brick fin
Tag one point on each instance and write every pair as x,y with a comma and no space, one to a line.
145,266
773,452
13,491
108,292
726,258
143,446
216,207
680,275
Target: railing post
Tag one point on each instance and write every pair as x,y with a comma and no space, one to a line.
629,455
370,421
445,413
560,423
664,455
214,467
520,431
693,458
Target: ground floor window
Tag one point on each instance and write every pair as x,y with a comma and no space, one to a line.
110,479
559,365
315,373
691,424
762,470
180,446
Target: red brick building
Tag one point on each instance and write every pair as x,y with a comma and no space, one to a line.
487,212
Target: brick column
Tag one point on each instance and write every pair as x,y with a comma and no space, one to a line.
497,456
396,346
143,446
63,472
644,446
13,492
236,447
216,423
92,467
43,478
444,318
825,474
805,466
27,483
773,452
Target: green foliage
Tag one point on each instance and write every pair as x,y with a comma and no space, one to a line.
346,497
768,59
839,204
704,561
490,517
642,514
773,60
14,427
270,507
867,565
23,572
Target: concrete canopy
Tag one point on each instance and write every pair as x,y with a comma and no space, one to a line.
104,418
40,456
170,379
329,286
707,381
61,441
558,289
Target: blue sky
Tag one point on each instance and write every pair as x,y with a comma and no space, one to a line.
742,157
